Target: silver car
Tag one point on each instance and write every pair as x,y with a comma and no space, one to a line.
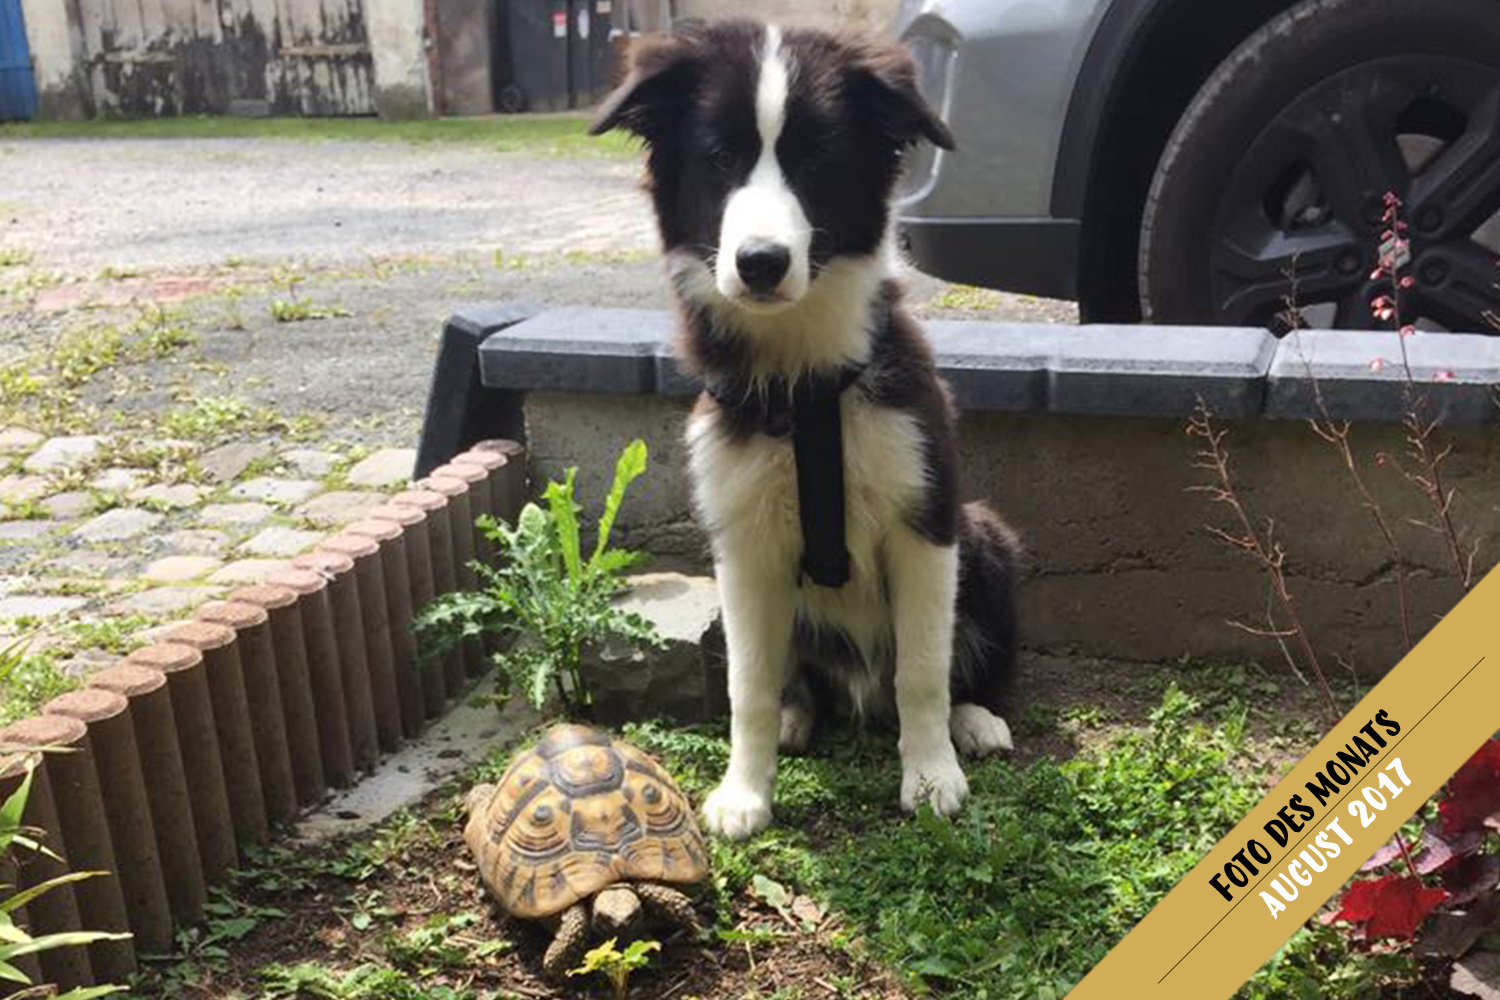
1214,161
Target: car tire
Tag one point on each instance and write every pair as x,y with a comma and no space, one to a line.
1271,190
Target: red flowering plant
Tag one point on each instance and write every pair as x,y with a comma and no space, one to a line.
1448,898
1440,894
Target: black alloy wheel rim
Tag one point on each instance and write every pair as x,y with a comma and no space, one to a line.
1303,217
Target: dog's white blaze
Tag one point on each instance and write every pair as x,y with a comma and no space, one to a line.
766,208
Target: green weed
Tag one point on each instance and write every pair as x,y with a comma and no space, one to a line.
367,982
546,592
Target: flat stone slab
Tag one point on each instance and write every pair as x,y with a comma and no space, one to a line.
685,680
459,740
117,525
174,496
66,506
18,440
119,480
340,507
38,606
180,569
310,462
281,541
234,514
281,491
196,541
225,463
26,531
89,564
19,489
384,469
63,453
246,571
165,600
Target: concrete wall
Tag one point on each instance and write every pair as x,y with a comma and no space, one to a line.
1122,565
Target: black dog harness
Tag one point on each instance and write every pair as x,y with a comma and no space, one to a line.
808,410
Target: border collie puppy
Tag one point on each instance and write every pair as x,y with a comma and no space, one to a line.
822,453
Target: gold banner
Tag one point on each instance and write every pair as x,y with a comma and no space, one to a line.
1345,799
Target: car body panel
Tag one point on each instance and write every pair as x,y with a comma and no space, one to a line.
970,53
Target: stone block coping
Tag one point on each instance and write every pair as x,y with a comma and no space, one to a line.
1149,371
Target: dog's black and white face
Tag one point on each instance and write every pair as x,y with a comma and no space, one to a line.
772,153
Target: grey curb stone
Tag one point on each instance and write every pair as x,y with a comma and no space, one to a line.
1151,371
576,350
1361,375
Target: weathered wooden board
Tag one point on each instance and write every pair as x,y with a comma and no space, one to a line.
167,57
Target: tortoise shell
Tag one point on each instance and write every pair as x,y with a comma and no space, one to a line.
576,813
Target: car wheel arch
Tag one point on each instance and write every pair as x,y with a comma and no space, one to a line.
1145,63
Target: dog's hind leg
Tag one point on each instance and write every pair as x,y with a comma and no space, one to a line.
984,648
799,713
978,732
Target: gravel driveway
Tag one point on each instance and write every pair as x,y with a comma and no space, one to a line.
203,341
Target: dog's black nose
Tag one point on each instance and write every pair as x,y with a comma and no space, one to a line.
762,264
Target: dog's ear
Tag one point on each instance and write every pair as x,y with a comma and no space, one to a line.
657,89
886,77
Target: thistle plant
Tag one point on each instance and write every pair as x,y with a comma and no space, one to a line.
544,595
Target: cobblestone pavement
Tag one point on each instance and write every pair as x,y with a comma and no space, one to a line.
214,351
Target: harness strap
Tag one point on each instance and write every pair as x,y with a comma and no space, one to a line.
809,411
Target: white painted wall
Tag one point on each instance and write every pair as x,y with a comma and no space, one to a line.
54,54
397,46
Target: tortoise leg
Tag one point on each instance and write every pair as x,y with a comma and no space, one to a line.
667,905
569,943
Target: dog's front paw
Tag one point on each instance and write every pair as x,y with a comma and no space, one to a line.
735,812
938,781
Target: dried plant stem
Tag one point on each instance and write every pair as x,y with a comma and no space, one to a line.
1336,433
1213,457
1424,451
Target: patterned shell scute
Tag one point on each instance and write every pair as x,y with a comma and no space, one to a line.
576,813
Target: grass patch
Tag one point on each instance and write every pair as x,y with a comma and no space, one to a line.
1048,866
546,135
215,418
28,681
14,256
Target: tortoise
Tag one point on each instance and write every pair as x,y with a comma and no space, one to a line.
584,832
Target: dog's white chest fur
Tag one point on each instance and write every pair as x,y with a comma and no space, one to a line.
746,492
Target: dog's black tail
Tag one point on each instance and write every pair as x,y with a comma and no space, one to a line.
985,632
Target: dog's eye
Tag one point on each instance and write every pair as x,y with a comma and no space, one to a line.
721,159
